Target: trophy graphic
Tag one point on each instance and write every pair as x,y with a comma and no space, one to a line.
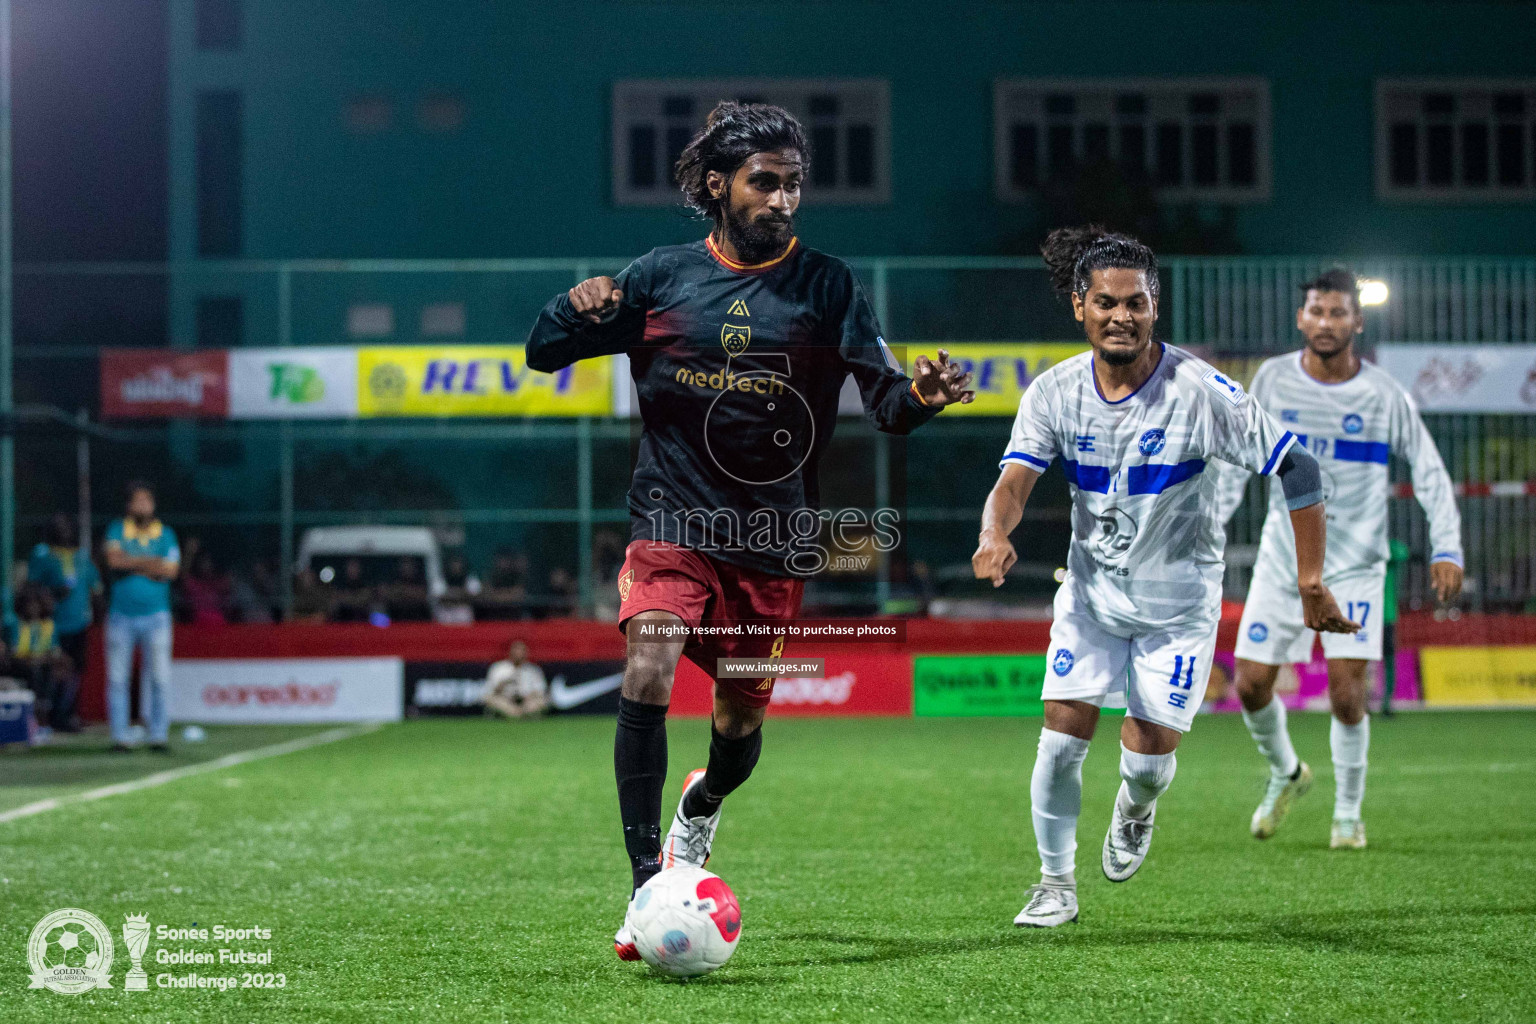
136,937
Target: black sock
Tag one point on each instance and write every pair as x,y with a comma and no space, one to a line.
640,767
730,763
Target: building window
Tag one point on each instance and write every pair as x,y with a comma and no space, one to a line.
370,320
1191,139
220,321
847,123
1456,140
219,156
218,24
442,320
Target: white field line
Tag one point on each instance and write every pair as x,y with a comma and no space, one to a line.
172,774
1447,769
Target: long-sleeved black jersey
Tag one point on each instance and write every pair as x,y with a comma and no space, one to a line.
738,370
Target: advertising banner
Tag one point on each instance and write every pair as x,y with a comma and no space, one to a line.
1002,370
981,684
455,687
1464,378
1478,676
274,690
293,383
160,383
476,380
852,684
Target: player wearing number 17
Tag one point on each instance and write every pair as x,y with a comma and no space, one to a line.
1351,417
1134,423
738,345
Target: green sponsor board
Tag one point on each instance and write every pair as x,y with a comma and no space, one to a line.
985,684
949,685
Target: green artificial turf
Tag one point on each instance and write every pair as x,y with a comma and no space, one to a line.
472,870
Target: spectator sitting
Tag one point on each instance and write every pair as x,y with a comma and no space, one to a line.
66,571
251,595
562,598
456,606
406,599
505,593
516,687
204,592
313,601
35,656
354,599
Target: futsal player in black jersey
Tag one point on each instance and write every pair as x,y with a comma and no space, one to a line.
738,345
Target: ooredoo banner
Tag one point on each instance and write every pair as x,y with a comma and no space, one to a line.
268,691
852,684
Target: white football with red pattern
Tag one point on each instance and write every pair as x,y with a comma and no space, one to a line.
685,922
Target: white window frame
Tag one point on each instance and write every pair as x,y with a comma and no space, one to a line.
1493,192
1258,192
789,93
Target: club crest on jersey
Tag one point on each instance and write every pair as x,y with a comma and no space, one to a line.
1224,386
1062,663
735,339
1152,441
1258,632
1353,424
625,582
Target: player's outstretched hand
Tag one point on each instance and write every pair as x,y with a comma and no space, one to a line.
1321,611
942,383
596,298
1446,577
993,558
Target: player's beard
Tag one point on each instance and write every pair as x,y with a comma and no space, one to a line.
754,241
1121,357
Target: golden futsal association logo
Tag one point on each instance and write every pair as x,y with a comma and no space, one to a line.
70,951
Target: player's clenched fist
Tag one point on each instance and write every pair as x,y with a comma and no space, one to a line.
993,558
596,298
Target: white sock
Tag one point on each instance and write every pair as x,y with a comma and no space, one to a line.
1147,777
1267,727
1350,745
1055,801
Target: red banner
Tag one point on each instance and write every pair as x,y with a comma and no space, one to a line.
159,382
854,684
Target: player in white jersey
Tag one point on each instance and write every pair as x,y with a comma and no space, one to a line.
1136,424
1351,416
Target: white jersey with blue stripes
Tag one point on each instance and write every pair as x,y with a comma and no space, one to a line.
1352,429
1146,553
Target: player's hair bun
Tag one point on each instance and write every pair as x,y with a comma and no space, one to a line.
1073,254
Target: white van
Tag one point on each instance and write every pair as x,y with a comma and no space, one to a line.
326,549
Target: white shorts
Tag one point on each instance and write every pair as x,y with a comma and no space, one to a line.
1273,631
1162,674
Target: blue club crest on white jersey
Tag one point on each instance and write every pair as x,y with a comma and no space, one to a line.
1062,663
1152,441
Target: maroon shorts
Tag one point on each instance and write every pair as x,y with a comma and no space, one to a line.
659,576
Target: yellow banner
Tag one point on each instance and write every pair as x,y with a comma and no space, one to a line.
477,380
1462,676
1002,369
